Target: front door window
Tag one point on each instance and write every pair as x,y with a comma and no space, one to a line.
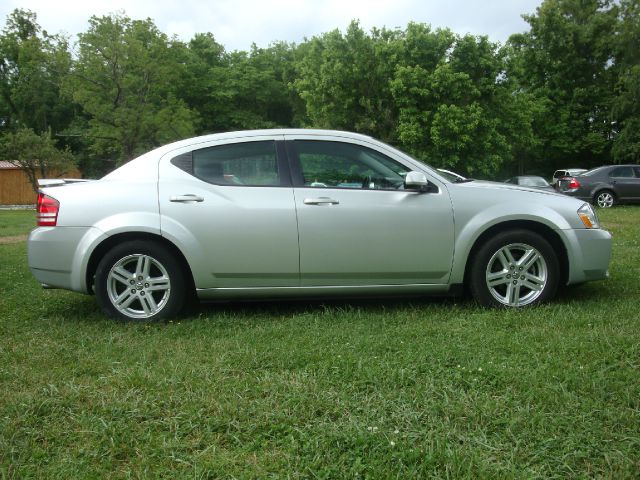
345,165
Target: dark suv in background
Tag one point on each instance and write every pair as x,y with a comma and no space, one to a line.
604,186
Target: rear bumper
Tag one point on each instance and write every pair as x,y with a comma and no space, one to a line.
58,256
589,254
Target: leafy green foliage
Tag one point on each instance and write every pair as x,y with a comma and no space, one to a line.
344,80
627,111
33,65
566,61
453,114
442,97
237,90
564,93
626,105
125,79
248,92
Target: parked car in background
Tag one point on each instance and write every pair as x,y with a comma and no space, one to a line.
604,186
566,172
531,181
301,213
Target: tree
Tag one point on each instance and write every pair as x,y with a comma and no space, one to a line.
456,106
249,90
126,79
36,154
202,54
564,93
344,80
33,65
238,90
566,61
626,106
626,111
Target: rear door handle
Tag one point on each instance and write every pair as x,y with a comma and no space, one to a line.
320,201
187,198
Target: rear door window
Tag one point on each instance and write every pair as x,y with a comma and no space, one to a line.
622,172
250,164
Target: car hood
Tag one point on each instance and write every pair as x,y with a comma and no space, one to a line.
486,184
484,201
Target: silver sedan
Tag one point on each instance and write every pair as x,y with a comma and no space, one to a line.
291,213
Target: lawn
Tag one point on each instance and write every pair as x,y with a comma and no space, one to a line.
378,389
16,222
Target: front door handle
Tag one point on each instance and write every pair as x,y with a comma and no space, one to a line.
187,198
320,201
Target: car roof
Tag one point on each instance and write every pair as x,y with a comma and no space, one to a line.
610,167
131,167
261,133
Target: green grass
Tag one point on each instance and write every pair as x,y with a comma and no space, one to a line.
379,389
16,222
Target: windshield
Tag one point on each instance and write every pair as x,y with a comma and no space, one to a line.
449,176
533,182
452,176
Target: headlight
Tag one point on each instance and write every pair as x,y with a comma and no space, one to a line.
588,216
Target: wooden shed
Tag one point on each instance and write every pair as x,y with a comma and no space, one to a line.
15,188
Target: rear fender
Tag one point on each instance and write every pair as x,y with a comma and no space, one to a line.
190,247
132,222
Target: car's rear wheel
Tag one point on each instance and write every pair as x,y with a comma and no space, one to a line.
514,268
140,280
604,199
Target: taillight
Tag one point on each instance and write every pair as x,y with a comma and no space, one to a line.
573,183
47,212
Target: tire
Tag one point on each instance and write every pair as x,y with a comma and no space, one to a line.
604,199
140,281
492,280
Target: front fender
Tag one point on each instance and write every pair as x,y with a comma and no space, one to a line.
474,227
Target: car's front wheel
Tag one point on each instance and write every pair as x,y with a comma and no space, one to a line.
514,268
140,280
604,199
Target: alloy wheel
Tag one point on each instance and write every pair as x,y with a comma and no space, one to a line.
604,200
516,275
138,286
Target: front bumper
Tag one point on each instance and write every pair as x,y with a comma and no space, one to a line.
589,254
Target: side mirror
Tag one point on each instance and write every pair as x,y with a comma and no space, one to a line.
415,180
418,181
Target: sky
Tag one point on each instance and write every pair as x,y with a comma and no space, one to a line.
236,24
